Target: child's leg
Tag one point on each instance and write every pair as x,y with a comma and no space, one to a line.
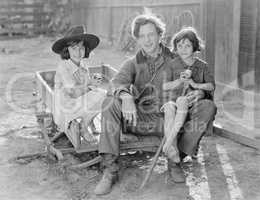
169,117
92,108
181,113
169,120
177,120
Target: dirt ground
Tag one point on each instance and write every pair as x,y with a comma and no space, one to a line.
224,170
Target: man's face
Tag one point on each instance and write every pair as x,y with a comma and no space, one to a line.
148,38
185,49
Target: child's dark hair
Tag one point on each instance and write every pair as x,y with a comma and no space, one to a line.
64,54
188,33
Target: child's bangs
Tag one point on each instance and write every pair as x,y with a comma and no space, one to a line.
74,42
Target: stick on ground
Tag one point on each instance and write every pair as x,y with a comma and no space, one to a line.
148,175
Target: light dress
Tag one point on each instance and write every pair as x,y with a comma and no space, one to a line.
67,108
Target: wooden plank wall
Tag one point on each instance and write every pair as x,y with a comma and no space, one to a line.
249,59
257,53
22,17
247,50
236,55
210,21
227,28
107,20
257,71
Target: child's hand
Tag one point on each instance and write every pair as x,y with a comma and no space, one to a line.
191,83
96,79
186,74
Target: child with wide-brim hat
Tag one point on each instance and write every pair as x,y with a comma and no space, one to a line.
76,33
77,96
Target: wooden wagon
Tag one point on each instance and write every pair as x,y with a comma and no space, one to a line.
45,85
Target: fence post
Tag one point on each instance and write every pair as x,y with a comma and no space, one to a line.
110,22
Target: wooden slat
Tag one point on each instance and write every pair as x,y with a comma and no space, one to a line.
237,137
247,45
74,136
134,3
49,145
24,21
257,59
146,143
22,13
210,33
23,30
43,82
29,31
226,40
86,164
22,6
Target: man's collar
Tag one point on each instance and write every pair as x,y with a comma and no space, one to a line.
142,56
147,56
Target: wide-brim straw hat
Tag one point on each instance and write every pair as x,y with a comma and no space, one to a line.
76,33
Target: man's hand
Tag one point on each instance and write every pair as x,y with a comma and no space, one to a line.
129,108
194,96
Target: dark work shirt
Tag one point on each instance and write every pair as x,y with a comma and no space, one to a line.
136,73
200,72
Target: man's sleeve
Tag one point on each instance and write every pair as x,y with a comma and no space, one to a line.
209,78
124,78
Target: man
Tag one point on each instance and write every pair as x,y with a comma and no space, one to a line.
137,98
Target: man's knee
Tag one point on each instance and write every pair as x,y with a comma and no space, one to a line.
111,103
207,107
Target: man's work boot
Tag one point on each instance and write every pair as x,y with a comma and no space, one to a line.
175,172
105,184
110,175
195,155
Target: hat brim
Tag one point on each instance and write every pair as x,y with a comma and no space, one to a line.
91,41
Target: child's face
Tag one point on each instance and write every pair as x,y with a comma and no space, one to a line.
77,51
184,49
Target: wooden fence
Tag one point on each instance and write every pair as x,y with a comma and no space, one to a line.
21,17
110,20
29,17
